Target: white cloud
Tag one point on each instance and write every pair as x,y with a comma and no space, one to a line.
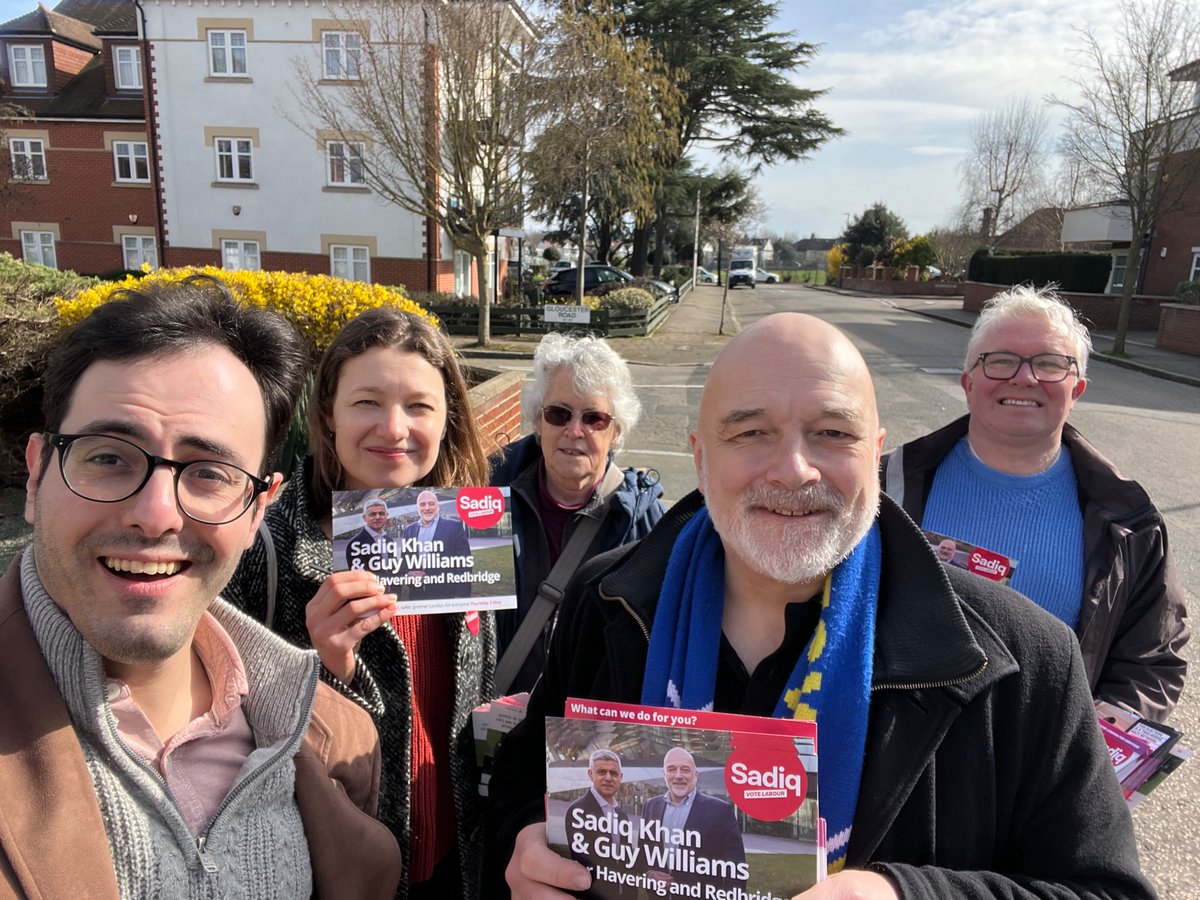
906,79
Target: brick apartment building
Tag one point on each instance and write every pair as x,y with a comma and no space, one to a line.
223,170
79,192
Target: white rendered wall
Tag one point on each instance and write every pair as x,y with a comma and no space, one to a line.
289,203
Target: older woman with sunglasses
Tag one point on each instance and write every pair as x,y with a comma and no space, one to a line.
570,500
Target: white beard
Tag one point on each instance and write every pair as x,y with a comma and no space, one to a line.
791,552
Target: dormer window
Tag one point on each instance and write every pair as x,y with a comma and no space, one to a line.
27,65
127,61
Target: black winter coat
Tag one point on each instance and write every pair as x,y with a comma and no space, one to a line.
985,775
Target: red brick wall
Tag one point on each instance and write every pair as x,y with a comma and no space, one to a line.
78,197
1178,232
1179,329
497,406
1098,311
910,288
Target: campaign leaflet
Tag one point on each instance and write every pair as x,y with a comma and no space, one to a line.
1144,753
439,550
696,804
962,555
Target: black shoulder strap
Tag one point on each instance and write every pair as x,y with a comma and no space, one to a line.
272,572
549,595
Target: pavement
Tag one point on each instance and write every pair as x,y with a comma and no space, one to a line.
698,326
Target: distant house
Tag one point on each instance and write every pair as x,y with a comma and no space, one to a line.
813,251
78,160
1040,230
1171,253
766,250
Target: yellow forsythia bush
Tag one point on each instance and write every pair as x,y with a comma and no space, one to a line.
834,260
318,305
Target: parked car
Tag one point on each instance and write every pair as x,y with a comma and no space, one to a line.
762,275
703,276
562,282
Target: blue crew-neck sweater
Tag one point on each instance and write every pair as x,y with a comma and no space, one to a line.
1035,520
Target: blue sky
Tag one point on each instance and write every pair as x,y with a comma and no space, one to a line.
905,79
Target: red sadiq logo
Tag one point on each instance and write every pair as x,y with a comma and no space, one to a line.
480,507
764,776
988,564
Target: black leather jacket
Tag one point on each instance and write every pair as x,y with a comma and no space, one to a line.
1132,621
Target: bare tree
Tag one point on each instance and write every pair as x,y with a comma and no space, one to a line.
953,246
1004,164
1135,129
431,103
614,108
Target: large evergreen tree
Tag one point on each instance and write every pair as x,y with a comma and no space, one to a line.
736,77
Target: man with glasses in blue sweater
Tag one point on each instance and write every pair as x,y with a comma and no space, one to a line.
1012,477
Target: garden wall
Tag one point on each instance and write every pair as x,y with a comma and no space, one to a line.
1098,311
1179,328
496,403
882,280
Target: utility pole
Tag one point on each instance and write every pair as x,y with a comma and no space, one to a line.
696,241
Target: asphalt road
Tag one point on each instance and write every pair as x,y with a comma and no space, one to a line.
1148,427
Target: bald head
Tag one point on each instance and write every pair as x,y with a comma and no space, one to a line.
787,448
787,342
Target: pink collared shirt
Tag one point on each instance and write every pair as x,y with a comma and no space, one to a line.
201,762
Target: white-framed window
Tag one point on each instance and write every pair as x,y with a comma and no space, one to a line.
345,162
342,54
462,273
226,53
234,159
240,255
38,247
28,159
132,161
1195,273
27,65
139,249
128,64
350,262
1116,279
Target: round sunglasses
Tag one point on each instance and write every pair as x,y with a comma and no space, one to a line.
560,416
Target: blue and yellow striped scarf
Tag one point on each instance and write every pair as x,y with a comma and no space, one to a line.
831,684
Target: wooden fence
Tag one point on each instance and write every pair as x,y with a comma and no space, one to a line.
522,320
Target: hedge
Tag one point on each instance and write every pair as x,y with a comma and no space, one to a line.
1084,273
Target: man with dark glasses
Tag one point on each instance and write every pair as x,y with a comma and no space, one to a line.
158,742
1014,478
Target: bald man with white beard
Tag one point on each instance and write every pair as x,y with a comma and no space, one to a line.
959,750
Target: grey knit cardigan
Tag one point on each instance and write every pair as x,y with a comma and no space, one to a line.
381,682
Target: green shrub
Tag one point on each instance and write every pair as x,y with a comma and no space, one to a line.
626,298
28,326
1188,292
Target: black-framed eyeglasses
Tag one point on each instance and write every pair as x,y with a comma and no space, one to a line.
560,416
1048,368
107,469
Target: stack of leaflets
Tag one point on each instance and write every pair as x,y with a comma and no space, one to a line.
684,803
1143,753
491,721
